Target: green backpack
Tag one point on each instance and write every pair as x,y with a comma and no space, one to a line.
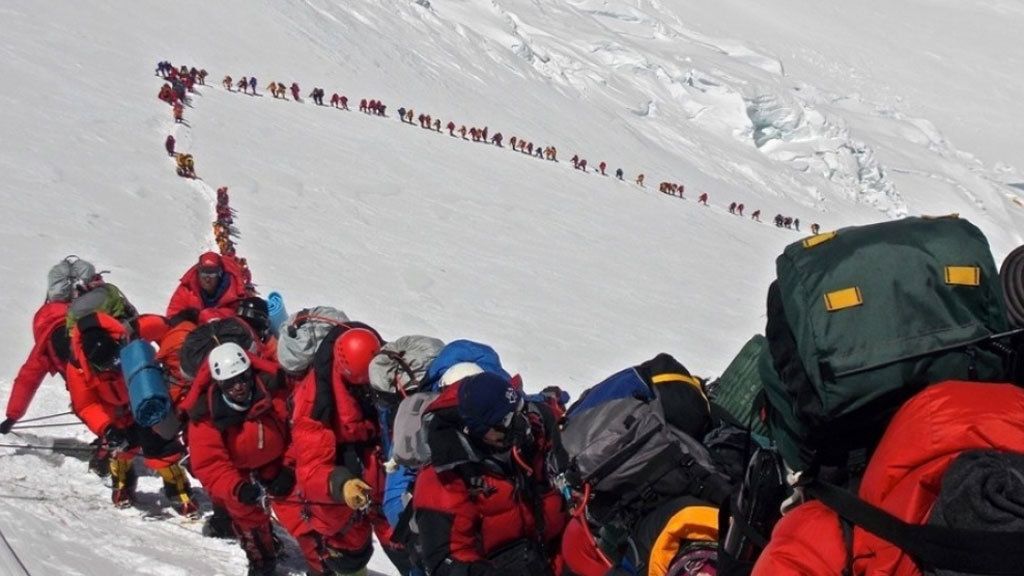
105,298
736,390
861,319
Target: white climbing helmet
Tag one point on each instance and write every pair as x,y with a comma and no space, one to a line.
459,371
227,361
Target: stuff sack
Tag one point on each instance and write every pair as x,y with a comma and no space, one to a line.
463,351
301,335
861,319
69,276
401,365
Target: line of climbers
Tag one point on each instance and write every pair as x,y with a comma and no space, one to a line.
426,121
891,436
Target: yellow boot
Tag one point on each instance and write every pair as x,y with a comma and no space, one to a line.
123,480
179,490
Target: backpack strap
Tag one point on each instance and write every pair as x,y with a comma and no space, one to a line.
970,551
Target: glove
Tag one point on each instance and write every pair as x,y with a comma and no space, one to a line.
6,425
282,485
356,494
116,439
186,315
248,492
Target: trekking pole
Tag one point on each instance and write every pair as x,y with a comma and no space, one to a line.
26,420
13,497
48,448
48,425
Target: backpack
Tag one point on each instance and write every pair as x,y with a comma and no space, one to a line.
1011,273
625,453
409,445
401,365
736,390
70,274
862,318
105,298
663,378
301,336
205,337
459,351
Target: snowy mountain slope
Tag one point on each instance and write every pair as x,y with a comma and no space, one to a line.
828,114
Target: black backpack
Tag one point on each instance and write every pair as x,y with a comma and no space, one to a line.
201,341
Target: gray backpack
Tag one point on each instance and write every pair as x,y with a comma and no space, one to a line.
401,365
409,445
624,448
302,333
70,274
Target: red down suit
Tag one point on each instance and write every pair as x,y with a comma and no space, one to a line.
903,478
43,359
469,506
189,295
336,437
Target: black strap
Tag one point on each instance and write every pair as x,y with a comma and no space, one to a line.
847,528
937,547
399,358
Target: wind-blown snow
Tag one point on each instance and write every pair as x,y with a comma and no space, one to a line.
832,113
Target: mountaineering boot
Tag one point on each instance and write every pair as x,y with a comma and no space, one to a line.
179,491
122,482
258,545
218,524
99,460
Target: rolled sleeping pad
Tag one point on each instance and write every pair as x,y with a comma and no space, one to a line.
278,314
1011,274
147,390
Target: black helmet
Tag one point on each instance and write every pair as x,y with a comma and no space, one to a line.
255,312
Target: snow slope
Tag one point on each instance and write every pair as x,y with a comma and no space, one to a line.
835,114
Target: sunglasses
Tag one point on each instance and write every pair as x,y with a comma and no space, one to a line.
236,382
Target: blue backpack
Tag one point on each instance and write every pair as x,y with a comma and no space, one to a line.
459,351
680,394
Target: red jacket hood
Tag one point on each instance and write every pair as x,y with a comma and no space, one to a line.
190,278
930,431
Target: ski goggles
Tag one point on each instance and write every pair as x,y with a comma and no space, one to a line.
508,422
210,273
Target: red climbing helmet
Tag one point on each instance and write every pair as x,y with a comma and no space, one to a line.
354,351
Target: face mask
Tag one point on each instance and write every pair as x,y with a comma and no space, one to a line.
517,430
